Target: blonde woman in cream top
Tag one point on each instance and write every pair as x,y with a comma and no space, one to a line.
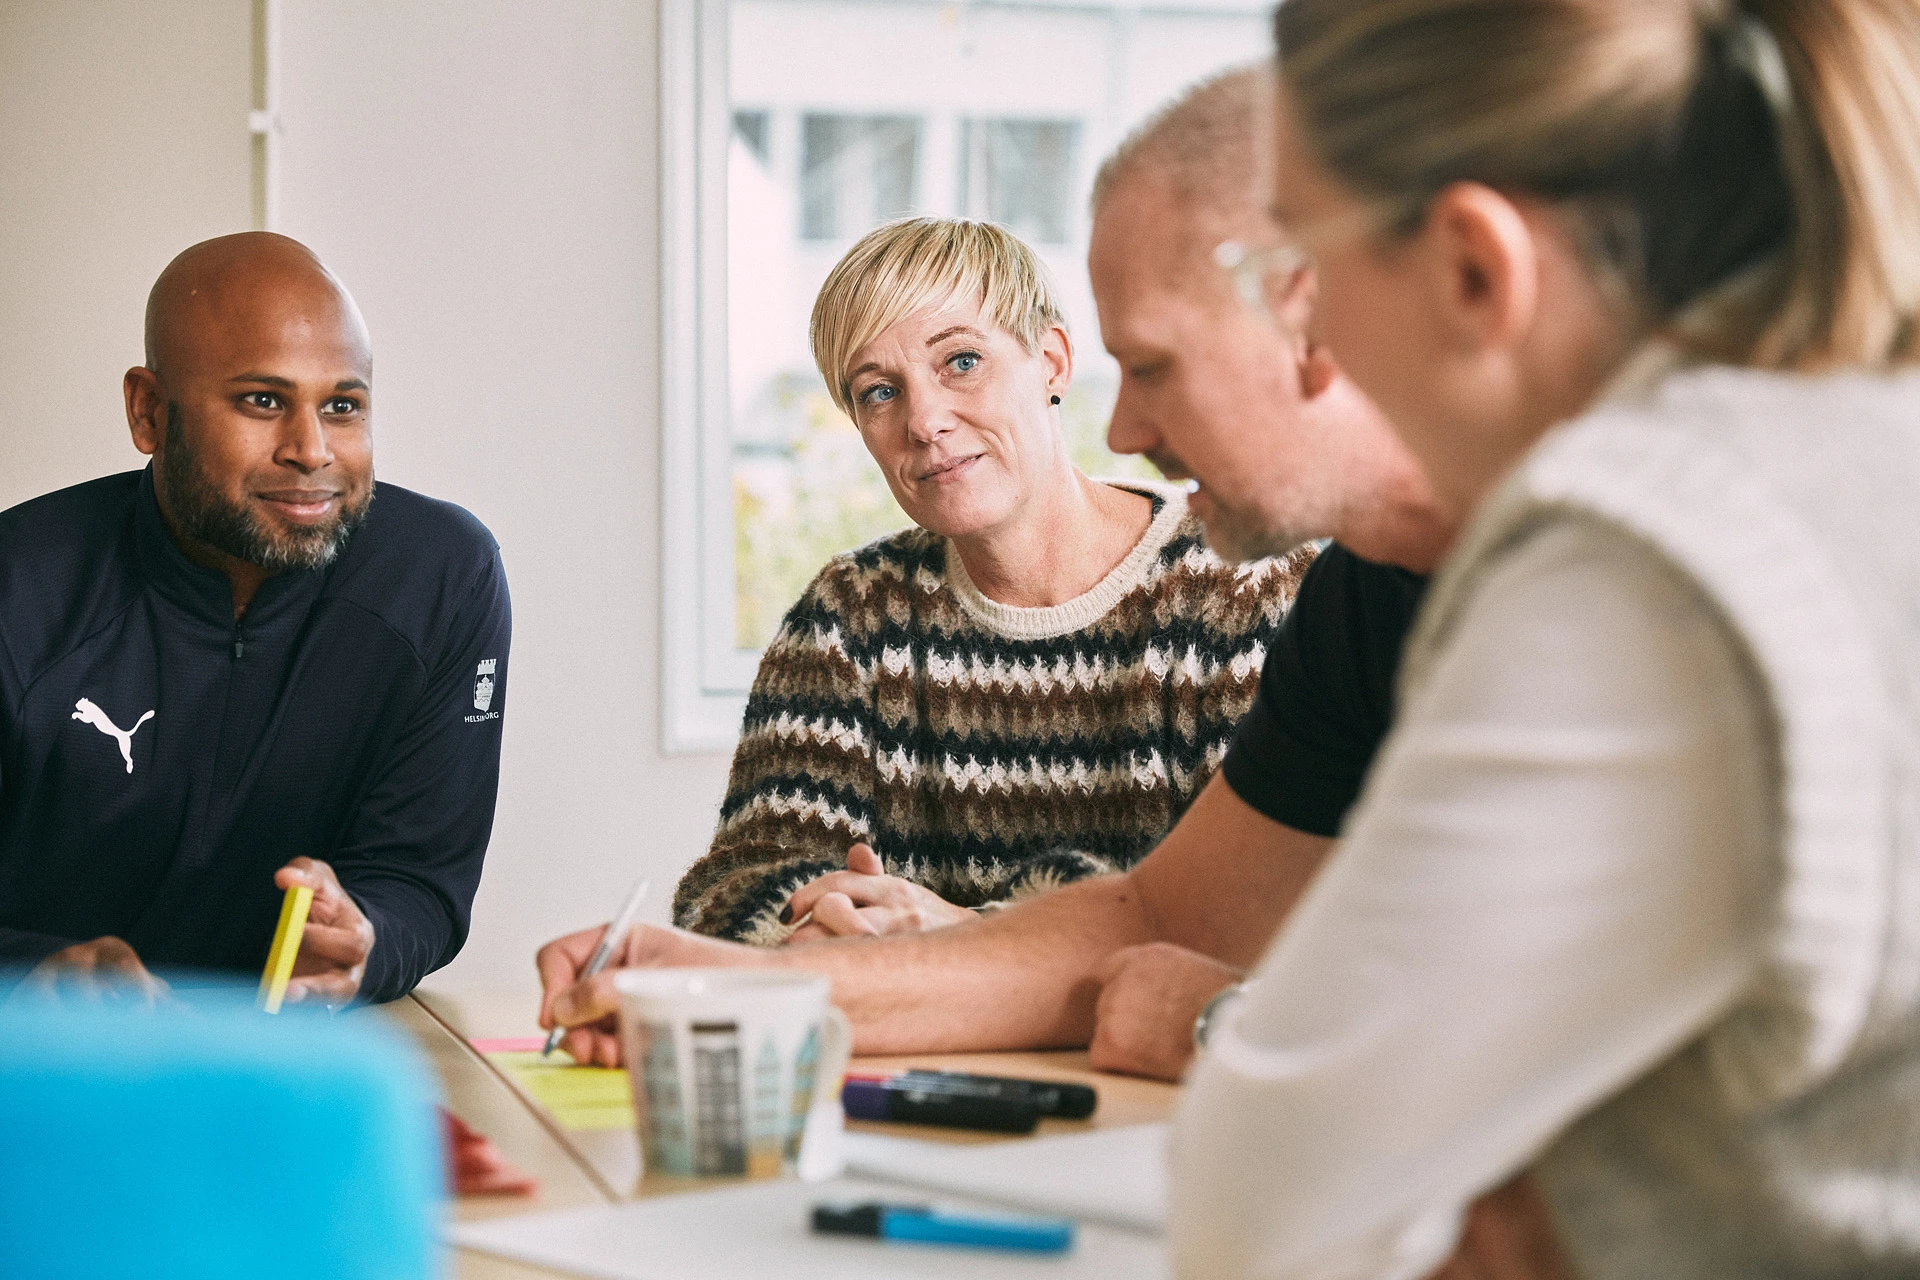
1632,898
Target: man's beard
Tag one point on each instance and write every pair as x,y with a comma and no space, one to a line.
201,513
1234,535
1237,539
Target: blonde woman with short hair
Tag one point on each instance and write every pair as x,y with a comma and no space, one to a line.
1632,897
1026,688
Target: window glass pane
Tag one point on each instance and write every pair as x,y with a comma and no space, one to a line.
1019,173
751,126
855,171
852,112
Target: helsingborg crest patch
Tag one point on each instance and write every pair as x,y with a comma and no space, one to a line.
483,685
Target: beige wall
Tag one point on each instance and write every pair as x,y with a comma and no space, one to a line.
123,139
482,176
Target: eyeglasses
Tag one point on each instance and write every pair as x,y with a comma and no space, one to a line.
1250,267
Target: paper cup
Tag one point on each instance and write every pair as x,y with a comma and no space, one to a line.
734,1071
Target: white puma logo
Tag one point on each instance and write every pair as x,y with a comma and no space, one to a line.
93,715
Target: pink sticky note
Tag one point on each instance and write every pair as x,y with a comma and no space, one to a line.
510,1044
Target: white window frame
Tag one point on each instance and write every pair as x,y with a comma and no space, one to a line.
705,675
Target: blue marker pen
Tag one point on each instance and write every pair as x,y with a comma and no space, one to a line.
921,1225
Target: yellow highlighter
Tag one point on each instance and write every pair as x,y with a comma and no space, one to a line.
286,945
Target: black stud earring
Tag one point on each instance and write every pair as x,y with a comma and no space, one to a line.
1056,400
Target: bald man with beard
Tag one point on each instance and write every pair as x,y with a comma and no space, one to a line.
247,666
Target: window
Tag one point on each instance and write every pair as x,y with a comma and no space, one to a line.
1019,173
751,128
789,129
855,172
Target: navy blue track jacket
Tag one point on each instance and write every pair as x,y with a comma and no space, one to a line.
159,762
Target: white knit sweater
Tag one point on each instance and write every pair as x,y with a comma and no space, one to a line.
1633,894
1786,1140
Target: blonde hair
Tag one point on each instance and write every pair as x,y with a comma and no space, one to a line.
1751,170
902,267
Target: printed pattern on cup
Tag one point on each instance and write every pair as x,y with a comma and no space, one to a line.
730,1129
663,1119
733,1083
719,1135
766,1143
805,1064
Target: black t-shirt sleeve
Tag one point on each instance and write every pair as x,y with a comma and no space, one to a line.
1326,693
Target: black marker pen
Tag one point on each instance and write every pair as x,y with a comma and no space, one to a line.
899,1099
1048,1097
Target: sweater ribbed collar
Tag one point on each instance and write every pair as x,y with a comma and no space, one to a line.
1021,622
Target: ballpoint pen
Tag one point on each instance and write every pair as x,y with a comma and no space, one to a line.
616,933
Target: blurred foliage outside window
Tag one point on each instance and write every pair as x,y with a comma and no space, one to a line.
796,507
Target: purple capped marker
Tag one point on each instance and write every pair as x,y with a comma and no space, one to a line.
901,1101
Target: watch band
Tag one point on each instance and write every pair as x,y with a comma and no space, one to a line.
1210,1013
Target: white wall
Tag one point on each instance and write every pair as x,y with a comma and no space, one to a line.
482,176
123,139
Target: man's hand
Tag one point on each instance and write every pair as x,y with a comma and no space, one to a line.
589,1007
337,941
1149,998
864,899
104,969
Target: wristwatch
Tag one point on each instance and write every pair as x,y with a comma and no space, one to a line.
1210,1013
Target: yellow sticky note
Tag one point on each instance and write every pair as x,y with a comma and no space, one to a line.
286,945
578,1097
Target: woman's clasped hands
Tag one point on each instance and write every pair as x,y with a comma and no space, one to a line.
864,899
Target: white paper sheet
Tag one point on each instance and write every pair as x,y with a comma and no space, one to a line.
1113,1176
760,1230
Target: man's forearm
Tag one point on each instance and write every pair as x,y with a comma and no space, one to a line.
1226,876
1022,978
1027,977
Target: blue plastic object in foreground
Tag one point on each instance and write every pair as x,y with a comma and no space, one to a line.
213,1141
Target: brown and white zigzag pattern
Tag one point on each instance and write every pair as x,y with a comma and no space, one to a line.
984,766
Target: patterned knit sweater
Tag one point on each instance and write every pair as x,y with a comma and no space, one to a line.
985,751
